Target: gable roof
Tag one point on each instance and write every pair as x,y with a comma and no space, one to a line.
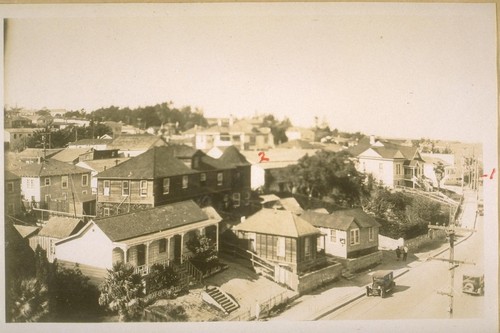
91,142
385,152
300,144
48,167
143,222
157,162
61,227
340,219
277,222
38,152
10,176
136,142
101,165
69,155
26,230
232,156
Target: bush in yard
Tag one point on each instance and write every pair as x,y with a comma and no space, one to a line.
73,298
160,277
205,253
122,292
29,302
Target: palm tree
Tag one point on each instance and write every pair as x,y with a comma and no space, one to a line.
29,301
122,291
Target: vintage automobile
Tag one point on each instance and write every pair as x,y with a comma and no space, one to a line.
473,283
382,283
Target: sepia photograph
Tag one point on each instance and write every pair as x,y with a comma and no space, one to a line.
252,166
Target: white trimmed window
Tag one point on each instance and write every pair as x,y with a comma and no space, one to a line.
185,181
280,247
162,245
307,248
236,199
47,181
64,181
106,211
85,180
354,239
125,188
371,234
166,185
246,198
333,236
47,197
144,188
220,178
106,190
203,177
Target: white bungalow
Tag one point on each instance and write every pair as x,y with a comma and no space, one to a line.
141,238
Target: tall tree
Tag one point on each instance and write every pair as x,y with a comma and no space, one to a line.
327,174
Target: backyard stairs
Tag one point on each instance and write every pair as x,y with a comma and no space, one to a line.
217,297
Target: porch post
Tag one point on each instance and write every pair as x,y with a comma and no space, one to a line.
147,256
169,243
217,236
182,247
125,254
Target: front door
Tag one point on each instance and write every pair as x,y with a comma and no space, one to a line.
141,255
177,248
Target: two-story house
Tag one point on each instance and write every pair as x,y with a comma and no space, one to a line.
56,186
12,196
390,164
165,175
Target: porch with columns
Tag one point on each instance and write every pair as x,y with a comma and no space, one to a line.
162,248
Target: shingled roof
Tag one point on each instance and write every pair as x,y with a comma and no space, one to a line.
340,219
144,222
136,142
48,167
277,222
157,162
61,227
232,156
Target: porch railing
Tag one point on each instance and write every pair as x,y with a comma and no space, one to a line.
145,269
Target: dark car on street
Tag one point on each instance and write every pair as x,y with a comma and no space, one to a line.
382,283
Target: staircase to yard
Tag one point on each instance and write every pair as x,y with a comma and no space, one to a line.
217,297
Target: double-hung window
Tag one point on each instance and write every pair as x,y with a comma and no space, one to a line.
166,185
64,181
220,178
144,188
125,188
354,239
106,188
85,180
371,234
333,236
185,181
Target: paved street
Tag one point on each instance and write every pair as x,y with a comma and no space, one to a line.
418,283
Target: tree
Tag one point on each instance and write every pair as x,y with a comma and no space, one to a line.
73,298
160,277
278,128
122,291
205,253
29,302
439,171
327,174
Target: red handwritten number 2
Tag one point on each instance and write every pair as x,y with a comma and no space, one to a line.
263,157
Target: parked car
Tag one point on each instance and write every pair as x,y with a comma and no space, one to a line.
473,283
382,283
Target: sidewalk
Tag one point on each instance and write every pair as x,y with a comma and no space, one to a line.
342,292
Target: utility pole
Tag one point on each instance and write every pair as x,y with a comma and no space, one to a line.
450,232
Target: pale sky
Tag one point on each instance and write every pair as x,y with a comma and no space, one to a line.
402,70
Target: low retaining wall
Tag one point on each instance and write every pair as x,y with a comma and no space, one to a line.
414,244
358,264
317,278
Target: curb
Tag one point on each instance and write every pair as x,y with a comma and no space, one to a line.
352,298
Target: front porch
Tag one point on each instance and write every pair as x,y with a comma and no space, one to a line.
163,249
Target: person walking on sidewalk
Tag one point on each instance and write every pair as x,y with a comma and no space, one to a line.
405,253
398,253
